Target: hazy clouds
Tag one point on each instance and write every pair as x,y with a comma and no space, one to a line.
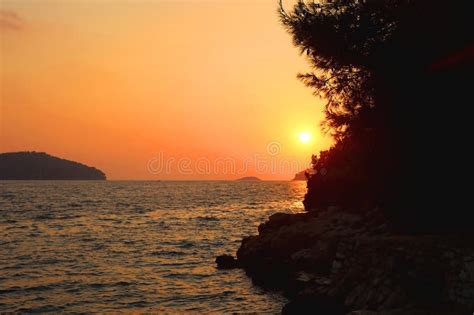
10,20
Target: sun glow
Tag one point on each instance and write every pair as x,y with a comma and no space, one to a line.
132,99
305,137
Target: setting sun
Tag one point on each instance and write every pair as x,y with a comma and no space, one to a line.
305,137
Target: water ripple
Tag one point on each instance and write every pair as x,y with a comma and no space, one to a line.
132,246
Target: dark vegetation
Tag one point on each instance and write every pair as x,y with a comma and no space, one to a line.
397,77
41,166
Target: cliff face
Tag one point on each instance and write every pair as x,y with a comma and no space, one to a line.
41,166
336,262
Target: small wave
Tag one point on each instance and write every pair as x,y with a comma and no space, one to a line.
68,217
186,244
122,284
106,219
40,309
167,253
140,209
88,239
72,290
48,261
7,291
10,221
212,219
7,195
97,285
43,217
89,202
39,288
138,304
74,205
173,275
178,264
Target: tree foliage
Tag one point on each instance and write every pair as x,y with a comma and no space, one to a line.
352,45
341,40
395,76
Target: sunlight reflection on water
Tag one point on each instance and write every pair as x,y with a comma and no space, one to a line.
135,246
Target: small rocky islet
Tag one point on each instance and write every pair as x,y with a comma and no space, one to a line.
339,262
249,178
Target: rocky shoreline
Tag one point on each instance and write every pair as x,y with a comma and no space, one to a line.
340,262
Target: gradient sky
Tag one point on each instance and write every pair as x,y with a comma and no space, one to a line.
130,86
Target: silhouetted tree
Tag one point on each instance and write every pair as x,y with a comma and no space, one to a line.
396,75
340,39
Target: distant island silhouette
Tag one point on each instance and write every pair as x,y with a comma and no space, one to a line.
42,166
249,178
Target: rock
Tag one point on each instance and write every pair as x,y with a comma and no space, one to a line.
334,260
318,258
315,305
469,270
279,219
226,262
274,222
301,175
336,265
304,276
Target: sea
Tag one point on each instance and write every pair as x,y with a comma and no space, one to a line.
134,246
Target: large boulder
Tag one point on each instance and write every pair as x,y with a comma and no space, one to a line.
227,262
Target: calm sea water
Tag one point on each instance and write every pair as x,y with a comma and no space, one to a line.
133,246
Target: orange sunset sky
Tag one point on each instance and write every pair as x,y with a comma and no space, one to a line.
124,85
